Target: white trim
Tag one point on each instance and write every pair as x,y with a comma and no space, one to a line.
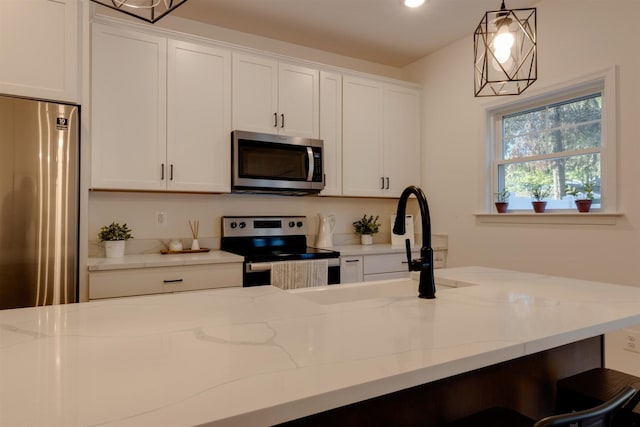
604,80
590,218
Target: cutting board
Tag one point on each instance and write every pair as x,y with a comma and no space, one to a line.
398,241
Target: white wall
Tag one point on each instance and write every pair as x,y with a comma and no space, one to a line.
575,38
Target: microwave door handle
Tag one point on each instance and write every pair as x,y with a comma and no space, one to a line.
311,164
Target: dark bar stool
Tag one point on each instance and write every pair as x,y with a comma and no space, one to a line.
593,387
503,417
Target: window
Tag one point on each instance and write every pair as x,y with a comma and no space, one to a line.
556,143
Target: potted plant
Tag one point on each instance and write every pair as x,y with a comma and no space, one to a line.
114,237
366,227
502,200
539,193
583,198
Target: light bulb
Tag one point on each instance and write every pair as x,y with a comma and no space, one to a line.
502,44
413,3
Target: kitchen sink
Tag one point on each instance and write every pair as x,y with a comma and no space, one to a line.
350,292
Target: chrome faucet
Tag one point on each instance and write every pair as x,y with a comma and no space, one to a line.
424,264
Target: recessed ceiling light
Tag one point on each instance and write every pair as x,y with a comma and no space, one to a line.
413,3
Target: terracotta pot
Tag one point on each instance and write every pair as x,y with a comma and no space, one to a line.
584,205
501,207
539,207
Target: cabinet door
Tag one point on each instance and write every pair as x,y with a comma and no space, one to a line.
298,101
255,94
401,147
39,48
331,131
362,138
351,269
128,110
198,118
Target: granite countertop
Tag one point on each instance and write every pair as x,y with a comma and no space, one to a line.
259,356
160,260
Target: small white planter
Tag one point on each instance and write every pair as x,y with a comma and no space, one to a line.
366,239
114,248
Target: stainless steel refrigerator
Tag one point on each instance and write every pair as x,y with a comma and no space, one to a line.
39,194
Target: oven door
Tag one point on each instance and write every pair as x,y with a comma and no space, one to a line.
275,163
259,273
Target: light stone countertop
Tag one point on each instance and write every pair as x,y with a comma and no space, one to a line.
160,260
259,356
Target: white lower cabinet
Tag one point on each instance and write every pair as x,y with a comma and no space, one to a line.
387,266
351,269
365,268
156,280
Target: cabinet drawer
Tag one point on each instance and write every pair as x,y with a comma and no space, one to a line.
387,276
387,263
144,281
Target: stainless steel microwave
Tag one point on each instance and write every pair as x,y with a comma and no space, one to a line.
265,163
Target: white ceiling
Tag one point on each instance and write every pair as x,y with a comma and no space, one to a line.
381,31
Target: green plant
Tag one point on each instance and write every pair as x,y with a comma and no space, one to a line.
114,231
539,192
502,196
367,225
585,194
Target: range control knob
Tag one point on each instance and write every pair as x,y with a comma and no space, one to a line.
243,224
299,224
292,224
233,224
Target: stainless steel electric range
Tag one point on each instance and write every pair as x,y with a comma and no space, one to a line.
264,240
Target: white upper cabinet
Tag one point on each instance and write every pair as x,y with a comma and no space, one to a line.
331,131
401,136
274,97
381,138
198,118
161,113
129,105
362,170
39,47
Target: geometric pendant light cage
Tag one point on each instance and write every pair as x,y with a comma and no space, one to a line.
147,10
505,55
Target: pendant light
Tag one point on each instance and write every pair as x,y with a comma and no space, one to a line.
147,10
505,56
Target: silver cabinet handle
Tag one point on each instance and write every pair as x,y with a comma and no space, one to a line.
282,120
275,120
382,182
387,183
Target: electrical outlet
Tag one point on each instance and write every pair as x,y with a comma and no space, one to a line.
162,219
632,340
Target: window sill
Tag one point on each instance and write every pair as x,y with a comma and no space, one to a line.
575,218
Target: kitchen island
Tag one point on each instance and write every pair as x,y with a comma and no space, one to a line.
263,356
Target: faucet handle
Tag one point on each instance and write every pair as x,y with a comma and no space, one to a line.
407,244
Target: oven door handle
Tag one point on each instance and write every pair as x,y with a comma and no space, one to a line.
266,266
311,164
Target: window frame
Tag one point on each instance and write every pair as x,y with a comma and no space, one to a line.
602,81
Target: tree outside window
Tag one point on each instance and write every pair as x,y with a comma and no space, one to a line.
557,146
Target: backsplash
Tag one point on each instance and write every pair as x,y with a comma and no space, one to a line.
140,210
